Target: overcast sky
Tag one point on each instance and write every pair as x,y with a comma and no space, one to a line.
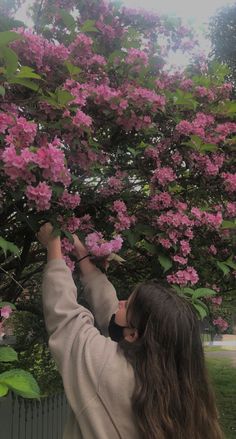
197,12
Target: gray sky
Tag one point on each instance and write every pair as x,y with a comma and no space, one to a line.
197,12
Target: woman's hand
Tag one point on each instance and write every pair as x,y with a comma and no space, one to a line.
80,248
50,242
45,235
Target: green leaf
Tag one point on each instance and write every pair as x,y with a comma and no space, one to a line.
8,37
64,96
8,354
89,26
165,262
2,91
57,190
27,72
21,382
10,59
67,19
132,237
230,263
3,390
69,236
2,304
223,267
200,310
8,246
25,82
144,229
203,292
151,248
208,147
73,70
188,291
226,224
116,54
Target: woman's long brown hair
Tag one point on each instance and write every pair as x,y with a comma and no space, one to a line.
173,398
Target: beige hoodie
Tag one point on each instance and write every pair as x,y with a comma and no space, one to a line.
98,380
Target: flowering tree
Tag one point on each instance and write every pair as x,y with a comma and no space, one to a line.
98,137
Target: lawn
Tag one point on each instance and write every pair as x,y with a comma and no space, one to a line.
223,377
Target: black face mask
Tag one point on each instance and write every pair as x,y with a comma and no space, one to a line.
115,331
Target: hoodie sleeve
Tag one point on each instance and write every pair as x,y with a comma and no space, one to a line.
78,348
101,297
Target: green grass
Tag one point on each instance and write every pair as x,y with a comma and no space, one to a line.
212,348
223,377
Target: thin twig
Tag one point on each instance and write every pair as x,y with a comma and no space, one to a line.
14,280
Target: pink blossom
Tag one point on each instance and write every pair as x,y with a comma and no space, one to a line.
180,260
122,221
186,84
22,133
182,277
52,160
119,206
5,311
212,249
177,219
160,201
97,246
81,119
165,242
229,181
136,56
185,247
184,127
231,208
40,194
221,323
164,175
69,262
71,201
6,121
216,300
66,246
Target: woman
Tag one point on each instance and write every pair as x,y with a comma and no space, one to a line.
148,379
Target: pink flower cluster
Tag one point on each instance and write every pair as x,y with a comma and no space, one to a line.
136,56
204,92
35,49
221,323
144,96
160,201
123,221
114,184
216,300
213,220
49,158
70,201
21,133
164,175
16,164
204,127
40,194
6,121
210,166
66,246
180,259
174,219
52,160
183,277
97,245
231,209
229,181
81,119
5,311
